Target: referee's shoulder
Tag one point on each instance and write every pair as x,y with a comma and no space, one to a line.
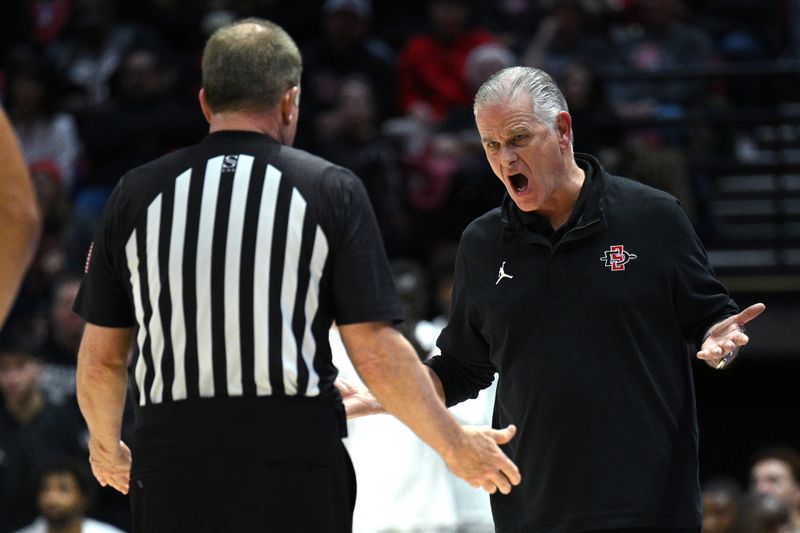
310,162
306,165
163,167
301,166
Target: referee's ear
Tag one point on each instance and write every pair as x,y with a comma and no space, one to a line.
201,96
290,105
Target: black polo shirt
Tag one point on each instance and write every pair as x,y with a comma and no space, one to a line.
589,334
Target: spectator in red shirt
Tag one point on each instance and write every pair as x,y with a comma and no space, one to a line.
431,65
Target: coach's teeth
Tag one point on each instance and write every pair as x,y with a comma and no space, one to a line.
519,182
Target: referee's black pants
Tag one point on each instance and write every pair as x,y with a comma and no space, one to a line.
241,465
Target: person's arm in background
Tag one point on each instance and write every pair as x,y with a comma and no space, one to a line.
101,382
20,219
389,366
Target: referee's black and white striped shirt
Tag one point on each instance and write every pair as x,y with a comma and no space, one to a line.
233,257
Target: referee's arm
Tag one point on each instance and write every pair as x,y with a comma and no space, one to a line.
389,366
101,380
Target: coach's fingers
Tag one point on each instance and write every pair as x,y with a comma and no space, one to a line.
739,339
489,487
505,467
712,352
502,436
344,387
739,319
501,481
750,313
510,470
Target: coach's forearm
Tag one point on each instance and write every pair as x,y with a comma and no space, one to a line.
389,366
101,380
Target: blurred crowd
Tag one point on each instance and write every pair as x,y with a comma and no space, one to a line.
772,503
96,87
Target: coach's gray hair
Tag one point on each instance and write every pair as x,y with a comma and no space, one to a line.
248,66
547,99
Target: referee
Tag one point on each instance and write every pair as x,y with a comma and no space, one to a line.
228,261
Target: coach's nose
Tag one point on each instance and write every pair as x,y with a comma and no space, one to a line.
508,156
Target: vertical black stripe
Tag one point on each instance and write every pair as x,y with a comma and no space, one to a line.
275,282
144,287
218,274
320,327
299,318
189,280
247,284
164,302
137,392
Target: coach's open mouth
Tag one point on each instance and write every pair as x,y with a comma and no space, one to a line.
518,182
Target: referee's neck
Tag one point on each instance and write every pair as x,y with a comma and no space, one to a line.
266,123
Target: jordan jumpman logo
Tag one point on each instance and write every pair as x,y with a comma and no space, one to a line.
502,273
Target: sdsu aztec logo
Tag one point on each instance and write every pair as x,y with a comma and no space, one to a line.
616,257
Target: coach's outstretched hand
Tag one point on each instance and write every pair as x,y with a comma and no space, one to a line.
724,339
479,461
111,466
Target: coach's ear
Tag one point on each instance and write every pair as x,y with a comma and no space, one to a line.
290,105
564,130
201,96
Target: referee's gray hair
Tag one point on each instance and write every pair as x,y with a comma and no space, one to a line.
248,65
505,84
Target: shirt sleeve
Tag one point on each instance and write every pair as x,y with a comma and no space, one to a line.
464,367
103,298
700,299
362,284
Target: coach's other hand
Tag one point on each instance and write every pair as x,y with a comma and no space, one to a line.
479,461
357,400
